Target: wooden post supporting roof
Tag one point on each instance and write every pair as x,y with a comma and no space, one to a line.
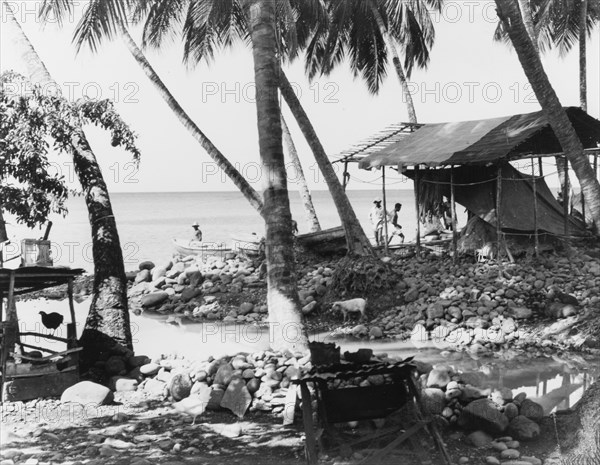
345,176
566,197
416,184
498,204
453,213
385,212
535,204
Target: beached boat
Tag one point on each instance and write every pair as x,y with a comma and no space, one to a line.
324,241
185,248
246,244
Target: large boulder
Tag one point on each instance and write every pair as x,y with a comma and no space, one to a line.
483,414
87,393
523,429
237,398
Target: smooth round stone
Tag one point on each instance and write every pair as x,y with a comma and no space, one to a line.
510,454
492,461
149,369
499,446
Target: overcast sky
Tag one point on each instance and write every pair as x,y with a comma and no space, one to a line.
469,77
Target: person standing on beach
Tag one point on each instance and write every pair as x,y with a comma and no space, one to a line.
197,233
397,231
377,217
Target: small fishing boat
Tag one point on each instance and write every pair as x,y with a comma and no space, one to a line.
324,241
186,247
247,244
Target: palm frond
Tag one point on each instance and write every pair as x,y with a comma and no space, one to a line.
162,19
100,20
198,32
55,10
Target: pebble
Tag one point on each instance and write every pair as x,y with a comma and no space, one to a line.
492,461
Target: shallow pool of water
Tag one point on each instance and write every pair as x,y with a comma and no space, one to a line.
555,381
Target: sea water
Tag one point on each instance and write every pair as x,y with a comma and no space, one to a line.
147,222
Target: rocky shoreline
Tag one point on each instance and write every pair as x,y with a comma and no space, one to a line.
472,306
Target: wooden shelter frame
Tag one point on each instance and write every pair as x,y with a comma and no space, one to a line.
397,132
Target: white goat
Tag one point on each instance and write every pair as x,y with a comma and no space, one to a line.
351,306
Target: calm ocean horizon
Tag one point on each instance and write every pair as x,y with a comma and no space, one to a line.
147,222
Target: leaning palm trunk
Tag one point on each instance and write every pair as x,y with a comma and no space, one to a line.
555,114
307,203
107,327
282,294
527,16
356,240
582,55
407,97
222,162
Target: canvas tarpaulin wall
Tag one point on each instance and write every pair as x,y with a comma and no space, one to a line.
475,189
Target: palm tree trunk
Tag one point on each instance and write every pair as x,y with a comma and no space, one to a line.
307,203
412,115
222,162
107,330
356,240
107,327
553,110
407,98
525,8
282,293
582,56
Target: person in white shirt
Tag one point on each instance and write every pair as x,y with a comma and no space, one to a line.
377,217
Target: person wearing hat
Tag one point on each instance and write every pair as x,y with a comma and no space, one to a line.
377,217
197,233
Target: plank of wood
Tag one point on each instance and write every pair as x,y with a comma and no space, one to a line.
36,387
309,429
395,443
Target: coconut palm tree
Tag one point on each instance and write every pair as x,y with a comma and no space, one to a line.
209,23
558,24
356,240
254,20
307,203
107,328
282,296
367,31
509,14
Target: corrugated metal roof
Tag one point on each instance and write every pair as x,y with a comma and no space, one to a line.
481,141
